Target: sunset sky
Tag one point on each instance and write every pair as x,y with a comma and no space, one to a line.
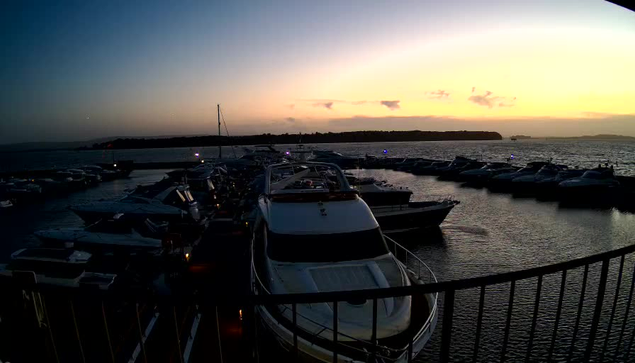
89,69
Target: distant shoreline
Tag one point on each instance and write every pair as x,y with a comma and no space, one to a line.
314,138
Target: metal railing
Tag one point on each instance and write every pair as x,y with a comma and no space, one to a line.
589,303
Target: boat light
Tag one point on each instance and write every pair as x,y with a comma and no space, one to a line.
286,152
187,257
246,224
197,154
217,205
240,314
114,165
511,156
202,161
385,151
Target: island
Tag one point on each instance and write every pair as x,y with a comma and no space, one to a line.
314,138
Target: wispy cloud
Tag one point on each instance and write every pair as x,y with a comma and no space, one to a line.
328,105
392,105
488,99
438,94
291,119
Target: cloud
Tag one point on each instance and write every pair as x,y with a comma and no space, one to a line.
438,95
328,105
291,120
392,105
488,100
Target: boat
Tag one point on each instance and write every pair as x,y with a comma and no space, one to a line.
547,189
413,216
453,172
300,153
317,235
528,184
104,174
596,186
503,182
458,163
5,204
379,193
431,169
111,235
57,267
333,157
485,172
73,181
174,203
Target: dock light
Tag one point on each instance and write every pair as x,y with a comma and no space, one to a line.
286,152
114,165
217,205
240,314
385,151
197,154
246,224
187,257
202,161
511,156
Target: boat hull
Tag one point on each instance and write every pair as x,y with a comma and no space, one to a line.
412,217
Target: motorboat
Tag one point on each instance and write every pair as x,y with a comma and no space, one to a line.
598,185
547,189
431,169
329,156
263,150
452,173
5,204
111,235
485,172
21,189
458,163
104,174
413,216
173,203
316,235
57,267
528,184
503,181
73,181
378,193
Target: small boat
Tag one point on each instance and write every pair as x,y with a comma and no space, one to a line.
413,216
528,184
174,203
5,204
431,169
485,172
329,156
452,173
378,193
317,235
503,182
596,186
112,235
547,189
57,267
456,164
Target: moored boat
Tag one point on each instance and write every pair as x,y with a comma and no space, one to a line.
316,235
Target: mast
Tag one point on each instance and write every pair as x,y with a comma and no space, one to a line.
220,149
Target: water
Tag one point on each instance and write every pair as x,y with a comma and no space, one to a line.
486,234
573,153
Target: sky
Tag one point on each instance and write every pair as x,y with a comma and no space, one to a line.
76,70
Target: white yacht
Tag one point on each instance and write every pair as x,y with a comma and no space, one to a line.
315,235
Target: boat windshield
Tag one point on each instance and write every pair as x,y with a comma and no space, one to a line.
333,247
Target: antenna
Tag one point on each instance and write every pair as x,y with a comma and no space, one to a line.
220,148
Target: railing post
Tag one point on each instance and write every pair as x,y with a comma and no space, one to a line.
141,340
373,337
479,323
79,339
295,331
510,308
563,283
576,326
446,332
628,308
617,294
534,319
103,314
598,309
335,317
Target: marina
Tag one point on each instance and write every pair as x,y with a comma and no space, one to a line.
173,270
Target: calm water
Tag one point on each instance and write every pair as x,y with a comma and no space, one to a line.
572,153
487,233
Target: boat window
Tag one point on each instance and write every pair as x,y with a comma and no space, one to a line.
592,175
326,247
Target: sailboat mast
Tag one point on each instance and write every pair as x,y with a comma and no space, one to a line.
220,149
